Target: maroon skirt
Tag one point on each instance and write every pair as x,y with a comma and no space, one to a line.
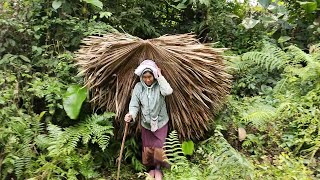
153,151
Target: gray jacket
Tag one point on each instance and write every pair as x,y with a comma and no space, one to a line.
151,100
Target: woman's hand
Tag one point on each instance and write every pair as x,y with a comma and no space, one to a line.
159,72
128,118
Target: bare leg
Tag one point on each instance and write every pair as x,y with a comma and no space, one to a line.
158,174
152,173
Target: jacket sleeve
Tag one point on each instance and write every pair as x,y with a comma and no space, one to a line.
165,88
134,104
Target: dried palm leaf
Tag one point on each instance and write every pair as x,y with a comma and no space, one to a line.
195,71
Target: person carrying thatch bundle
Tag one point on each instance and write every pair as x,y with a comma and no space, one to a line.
148,96
195,71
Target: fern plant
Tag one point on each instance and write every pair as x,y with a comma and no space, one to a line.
269,58
299,92
96,128
173,151
68,148
259,115
257,69
18,151
224,162
217,159
181,168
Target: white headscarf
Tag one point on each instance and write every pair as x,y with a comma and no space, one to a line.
147,64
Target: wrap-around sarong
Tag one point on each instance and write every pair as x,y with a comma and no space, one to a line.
153,150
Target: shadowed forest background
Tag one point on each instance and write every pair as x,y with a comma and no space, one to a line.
49,131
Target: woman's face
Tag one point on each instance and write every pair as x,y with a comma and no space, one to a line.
148,78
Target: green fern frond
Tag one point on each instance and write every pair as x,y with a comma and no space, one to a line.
19,166
247,143
103,141
174,151
276,51
42,141
54,131
259,115
26,149
72,139
297,55
37,127
86,138
225,162
304,73
265,60
241,65
94,129
270,58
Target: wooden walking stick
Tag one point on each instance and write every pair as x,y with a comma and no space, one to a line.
121,150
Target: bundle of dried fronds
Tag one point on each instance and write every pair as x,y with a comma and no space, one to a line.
195,71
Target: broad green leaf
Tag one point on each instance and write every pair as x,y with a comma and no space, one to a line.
188,147
181,6
24,58
249,23
12,42
265,3
283,39
96,3
309,7
73,100
268,19
37,50
42,114
56,4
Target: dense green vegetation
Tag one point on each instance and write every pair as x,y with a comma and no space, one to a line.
48,129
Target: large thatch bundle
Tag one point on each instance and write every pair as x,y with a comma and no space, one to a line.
195,71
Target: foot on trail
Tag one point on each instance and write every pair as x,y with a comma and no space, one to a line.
152,173
158,175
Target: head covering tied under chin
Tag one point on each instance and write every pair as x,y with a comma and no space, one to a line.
147,65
